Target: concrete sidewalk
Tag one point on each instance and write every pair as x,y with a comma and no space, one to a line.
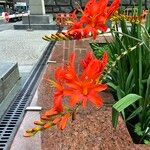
24,47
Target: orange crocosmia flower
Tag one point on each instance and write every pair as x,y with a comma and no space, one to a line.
58,85
88,58
95,17
63,74
70,73
94,67
84,92
86,87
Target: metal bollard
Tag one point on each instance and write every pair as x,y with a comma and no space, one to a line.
29,26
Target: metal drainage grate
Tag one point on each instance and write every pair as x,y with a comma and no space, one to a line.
13,116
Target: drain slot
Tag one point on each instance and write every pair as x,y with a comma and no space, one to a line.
4,138
3,142
11,120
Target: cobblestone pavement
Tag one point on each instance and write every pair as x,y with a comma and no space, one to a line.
24,47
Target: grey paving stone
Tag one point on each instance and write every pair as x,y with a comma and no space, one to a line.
25,48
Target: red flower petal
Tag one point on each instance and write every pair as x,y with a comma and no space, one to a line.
100,88
95,100
113,8
88,58
59,73
74,99
58,101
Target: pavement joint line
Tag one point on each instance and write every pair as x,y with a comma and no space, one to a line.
51,62
33,108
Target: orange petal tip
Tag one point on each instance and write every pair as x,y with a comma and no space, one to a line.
51,112
27,134
46,126
44,117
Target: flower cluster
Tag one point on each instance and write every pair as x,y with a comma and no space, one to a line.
79,89
63,19
94,19
132,19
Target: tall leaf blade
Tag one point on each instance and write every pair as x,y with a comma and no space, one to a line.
148,21
148,88
115,115
126,101
121,105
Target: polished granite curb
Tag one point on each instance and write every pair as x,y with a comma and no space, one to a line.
91,130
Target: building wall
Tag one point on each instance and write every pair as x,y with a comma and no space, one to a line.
68,9
27,1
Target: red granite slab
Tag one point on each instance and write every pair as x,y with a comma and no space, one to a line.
92,129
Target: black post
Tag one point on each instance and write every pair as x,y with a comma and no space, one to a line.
29,26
